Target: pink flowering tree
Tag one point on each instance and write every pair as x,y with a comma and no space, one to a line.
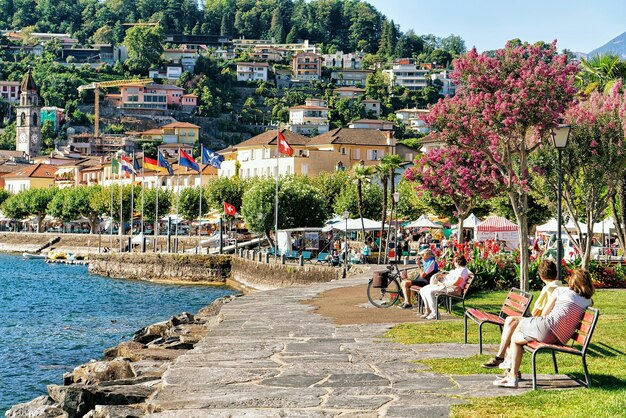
593,163
462,175
504,108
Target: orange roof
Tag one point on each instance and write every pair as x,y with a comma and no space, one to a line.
155,131
355,89
309,107
180,125
190,95
269,138
40,170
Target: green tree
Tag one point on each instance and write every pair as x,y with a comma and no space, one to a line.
35,202
224,189
330,185
189,207
13,207
144,44
4,195
75,202
299,203
7,137
360,175
599,73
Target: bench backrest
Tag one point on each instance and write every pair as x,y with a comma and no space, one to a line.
584,331
307,255
468,282
322,256
517,303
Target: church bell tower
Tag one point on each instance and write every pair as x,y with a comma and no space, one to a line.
28,137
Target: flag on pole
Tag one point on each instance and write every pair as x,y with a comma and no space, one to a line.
127,166
188,161
212,158
151,163
163,163
230,209
136,165
115,166
283,146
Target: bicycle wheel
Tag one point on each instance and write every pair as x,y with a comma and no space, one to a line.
386,296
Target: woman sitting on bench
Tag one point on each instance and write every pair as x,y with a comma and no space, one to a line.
561,317
453,281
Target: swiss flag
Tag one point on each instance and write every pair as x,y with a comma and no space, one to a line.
230,209
283,146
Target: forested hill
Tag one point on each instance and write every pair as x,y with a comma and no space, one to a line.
347,25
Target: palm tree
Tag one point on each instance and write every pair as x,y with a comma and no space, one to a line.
599,73
391,163
361,174
382,169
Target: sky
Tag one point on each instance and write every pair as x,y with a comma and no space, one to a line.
577,25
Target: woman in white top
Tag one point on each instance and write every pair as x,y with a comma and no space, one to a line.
560,319
454,281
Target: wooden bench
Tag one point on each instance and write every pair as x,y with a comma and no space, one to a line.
517,303
582,336
449,297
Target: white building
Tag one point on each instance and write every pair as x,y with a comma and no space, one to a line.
310,118
340,60
252,71
372,106
378,124
414,119
405,73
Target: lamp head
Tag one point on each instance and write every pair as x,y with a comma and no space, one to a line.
396,197
560,135
346,215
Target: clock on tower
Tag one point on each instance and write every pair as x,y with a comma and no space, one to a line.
27,129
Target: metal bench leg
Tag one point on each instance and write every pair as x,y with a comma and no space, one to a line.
480,338
465,327
534,366
587,377
556,368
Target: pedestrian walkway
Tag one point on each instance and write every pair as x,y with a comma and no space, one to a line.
271,356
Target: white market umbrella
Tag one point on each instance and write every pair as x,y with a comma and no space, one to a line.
604,227
138,239
552,226
353,225
423,222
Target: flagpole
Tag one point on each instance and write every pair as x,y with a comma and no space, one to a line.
200,204
156,216
142,196
121,231
177,200
111,208
276,201
132,196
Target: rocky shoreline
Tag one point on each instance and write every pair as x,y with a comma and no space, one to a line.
130,373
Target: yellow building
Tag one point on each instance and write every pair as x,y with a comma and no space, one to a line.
338,149
173,133
35,176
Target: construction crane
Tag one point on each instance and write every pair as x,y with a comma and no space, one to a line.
96,86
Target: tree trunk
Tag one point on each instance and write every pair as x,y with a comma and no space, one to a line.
519,201
384,218
618,222
359,191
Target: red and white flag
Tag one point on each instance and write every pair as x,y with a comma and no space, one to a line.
230,209
283,146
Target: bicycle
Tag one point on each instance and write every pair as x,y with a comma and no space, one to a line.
384,297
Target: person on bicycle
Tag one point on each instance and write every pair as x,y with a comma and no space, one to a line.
429,268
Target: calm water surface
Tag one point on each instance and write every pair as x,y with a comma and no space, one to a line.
55,317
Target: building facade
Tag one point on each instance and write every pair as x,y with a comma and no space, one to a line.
310,118
10,91
252,71
307,67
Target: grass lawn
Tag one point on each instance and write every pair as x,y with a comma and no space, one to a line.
606,359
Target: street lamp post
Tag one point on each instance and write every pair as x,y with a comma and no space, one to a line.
346,216
259,217
560,135
396,199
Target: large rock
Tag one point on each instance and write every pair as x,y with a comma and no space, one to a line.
103,371
115,411
128,349
183,318
151,333
41,407
78,399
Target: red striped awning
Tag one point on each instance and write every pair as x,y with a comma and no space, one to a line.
496,224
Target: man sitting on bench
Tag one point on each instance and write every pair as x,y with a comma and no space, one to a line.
429,268
547,274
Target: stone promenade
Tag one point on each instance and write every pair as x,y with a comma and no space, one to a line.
272,356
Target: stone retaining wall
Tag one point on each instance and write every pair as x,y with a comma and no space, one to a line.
163,267
261,276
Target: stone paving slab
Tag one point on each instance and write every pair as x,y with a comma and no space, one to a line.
272,356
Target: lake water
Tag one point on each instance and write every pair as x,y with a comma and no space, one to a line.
54,317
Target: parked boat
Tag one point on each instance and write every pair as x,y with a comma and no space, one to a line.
31,256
